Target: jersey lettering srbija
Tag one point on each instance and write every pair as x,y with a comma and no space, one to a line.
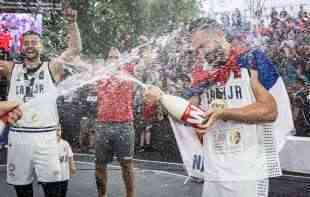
235,151
38,91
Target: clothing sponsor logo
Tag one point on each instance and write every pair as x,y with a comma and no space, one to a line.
225,93
198,163
22,90
41,75
228,140
11,168
30,85
194,116
91,99
56,173
234,136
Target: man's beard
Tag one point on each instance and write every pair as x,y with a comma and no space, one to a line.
216,57
31,56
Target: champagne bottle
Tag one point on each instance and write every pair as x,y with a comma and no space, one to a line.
183,110
3,123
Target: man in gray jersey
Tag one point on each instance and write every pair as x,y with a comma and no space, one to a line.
33,140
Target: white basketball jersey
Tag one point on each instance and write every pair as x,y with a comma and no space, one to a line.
40,113
236,151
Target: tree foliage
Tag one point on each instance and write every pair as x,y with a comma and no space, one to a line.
102,23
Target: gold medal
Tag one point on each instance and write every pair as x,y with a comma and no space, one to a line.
218,104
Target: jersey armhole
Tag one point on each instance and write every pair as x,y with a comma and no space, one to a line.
51,74
249,72
11,72
9,77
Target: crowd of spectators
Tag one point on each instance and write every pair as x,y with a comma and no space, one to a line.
286,40
283,35
13,25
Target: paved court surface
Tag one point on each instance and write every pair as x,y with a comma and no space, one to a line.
150,183
158,183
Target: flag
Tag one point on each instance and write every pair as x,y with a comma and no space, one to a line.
273,82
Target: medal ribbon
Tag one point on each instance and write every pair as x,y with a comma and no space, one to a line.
218,75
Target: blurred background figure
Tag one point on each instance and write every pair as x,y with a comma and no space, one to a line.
67,163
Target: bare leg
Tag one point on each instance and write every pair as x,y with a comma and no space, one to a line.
128,177
147,136
142,137
101,180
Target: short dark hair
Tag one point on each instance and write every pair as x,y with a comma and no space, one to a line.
29,33
203,24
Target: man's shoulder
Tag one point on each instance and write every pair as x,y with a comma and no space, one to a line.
51,61
65,142
257,59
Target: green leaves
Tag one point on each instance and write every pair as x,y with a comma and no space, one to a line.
102,23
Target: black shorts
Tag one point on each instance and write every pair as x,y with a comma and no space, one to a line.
114,139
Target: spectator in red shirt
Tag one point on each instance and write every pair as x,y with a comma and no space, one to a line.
5,39
115,133
149,116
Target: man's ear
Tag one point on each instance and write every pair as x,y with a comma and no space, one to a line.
41,46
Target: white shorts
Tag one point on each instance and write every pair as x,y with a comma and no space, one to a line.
30,155
254,188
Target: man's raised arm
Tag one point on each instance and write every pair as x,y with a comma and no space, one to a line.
74,38
74,45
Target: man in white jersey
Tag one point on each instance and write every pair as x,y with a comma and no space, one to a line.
32,146
238,106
